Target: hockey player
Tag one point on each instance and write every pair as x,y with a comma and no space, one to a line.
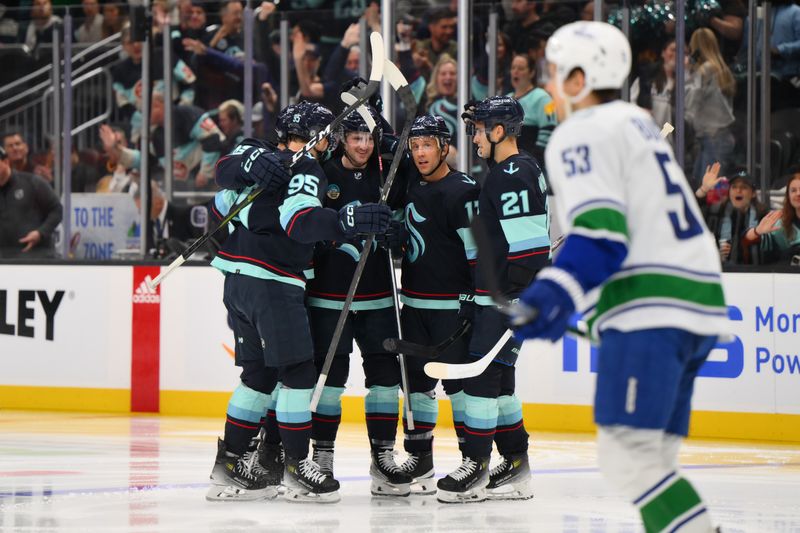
263,261
636,240
353,179
513,208
436,270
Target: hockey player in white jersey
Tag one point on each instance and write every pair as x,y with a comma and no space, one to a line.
641,265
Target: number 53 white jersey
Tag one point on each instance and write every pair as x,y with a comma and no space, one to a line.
615,179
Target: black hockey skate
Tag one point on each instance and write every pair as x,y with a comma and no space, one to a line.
323,456
270,460
511,479
237,478
419,466
388,479
305,483
466,484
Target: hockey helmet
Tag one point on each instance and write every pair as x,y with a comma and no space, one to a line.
497,110
354,122
599,49
430,126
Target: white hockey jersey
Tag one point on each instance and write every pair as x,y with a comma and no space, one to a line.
615,178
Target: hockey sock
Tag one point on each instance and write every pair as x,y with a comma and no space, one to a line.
272,434
246,408
294,420
328,416
511,437
673,504
457,402
425,410
381,407
480,423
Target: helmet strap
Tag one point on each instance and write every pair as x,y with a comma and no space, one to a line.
493,144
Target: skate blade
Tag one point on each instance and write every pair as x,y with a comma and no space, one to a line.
470,496
384,489
514,491
423,486
228,493
304,496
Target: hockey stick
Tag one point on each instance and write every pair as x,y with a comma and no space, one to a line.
400,85
360,98
428,352
439,370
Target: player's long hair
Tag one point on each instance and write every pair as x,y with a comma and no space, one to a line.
705,51
788,212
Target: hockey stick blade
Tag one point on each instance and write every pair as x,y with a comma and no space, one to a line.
439,370
420,350
364,95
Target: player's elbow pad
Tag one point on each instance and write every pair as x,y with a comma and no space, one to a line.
591,261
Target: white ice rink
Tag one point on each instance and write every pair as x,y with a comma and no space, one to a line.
107,473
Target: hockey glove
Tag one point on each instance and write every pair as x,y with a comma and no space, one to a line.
364,219
554,306
266,169
466,308
395,238
468,116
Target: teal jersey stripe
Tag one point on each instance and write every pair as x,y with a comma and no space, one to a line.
484,301
293,405
470,247
238,267
480,413
337,305
381,399
418,303
330,401
293,204
526,233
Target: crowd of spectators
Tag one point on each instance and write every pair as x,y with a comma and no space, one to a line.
207,42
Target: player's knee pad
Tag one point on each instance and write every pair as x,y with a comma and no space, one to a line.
631,459
382,400
381,369
299,375
247,404
480,412
509,410
258,377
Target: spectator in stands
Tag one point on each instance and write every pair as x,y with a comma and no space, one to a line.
117,178
29,213
480,80
654,89
312,87
729,28
344,61
779,231
785,51
525,16
540,114
9,28
18,153
587,12
231,122
442,27
91,30
40,29
440,94
227,38
182,223
113,19
710,89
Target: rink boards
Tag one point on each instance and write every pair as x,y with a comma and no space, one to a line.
94,338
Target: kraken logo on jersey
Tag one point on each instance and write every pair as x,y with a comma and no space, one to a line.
333,191
469,181
416,243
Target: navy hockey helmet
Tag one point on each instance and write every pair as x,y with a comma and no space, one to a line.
430,126
503,110
291,121
355,122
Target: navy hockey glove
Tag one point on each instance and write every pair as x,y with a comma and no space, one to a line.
266,169
466,308
364,219
395,238
554,306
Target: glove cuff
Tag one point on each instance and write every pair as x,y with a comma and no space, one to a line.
567,282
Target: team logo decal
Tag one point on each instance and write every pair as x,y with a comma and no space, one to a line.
357,175
416,243
333,192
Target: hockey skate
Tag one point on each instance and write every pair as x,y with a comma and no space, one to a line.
466,484
388,479
511,479
270,461
323,456
419,466
237,478
305,483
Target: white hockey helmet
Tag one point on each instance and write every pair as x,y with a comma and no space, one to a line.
599,49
